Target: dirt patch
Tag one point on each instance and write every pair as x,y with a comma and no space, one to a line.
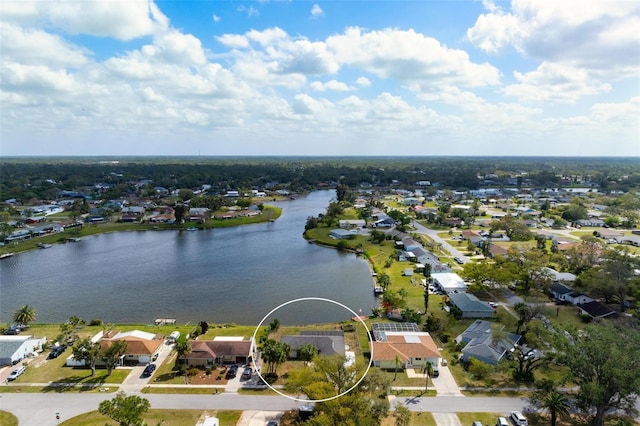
209,379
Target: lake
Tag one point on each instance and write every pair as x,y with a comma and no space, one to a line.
221,275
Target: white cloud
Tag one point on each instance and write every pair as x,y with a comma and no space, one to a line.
598,35
316,11
331,85
250,11
37,47
556,83
216,18
363,82
420,62
124,20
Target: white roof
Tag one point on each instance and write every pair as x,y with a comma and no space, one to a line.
228,338
449,281
135,333
10,338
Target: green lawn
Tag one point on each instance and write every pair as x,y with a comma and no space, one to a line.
487,419
8,419
157,416
189,391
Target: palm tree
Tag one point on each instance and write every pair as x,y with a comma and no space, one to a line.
556,403
24,315
427,369
398,362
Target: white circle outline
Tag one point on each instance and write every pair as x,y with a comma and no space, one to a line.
322,299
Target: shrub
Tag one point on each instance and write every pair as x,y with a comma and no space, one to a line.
96,322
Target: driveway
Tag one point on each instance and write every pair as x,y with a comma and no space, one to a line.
445,384
446,419
258,418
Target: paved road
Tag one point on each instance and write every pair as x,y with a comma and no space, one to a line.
40,409
433,234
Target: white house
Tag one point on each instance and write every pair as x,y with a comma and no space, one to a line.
16,348
449,282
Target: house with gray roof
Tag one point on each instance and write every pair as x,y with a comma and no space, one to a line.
328,343
16,348
340,234
479,343
471,306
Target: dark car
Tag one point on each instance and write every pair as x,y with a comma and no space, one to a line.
148,370
57,351
12,331
231,373
246,373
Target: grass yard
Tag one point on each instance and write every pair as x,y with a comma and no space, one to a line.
8,419
488,419
181,390
157,416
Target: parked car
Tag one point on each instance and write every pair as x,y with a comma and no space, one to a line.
502,422
443,362
246,373
459,260
12,331
148,370
16,373
436,373
232,371
57,351
518,419
477,423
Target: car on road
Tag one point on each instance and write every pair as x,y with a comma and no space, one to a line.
57,351
232,372
16,373
148,370
246,373
459,260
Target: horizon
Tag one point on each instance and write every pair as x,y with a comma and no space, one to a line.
312,79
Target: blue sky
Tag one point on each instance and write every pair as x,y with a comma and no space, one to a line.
137,77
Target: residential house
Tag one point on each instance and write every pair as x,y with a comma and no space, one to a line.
478,342
198,214
496,250
354,223
340,234
219,351
559,277
328,343
595,309
405,343
589,222
141,346
560,291
15,348
449,282
633,240
471,306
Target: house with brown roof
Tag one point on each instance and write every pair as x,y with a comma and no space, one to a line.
141,346
413,348
221,350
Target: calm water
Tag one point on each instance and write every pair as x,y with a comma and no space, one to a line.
223,275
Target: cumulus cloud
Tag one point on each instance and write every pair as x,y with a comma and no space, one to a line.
421,62
554,82
316,11
363,82
331,85
598,35
102,18
216,18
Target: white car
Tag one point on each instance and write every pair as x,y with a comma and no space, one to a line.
15,373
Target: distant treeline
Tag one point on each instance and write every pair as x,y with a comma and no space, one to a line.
43,178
